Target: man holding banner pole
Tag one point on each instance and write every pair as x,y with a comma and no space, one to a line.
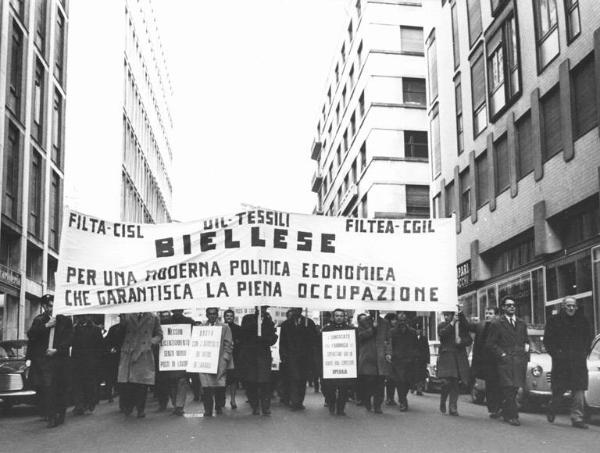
213,385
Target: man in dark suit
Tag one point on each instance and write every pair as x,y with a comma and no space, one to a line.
484,364
509,342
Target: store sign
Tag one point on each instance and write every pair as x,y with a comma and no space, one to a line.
10,277
463,274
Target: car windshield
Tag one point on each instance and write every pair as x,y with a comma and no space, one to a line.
536,344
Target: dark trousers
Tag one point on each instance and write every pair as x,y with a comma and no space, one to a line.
259,394
298,391
403,387
85,390
161,389
510,409
372,388
493,395
450,389
213,397
390,389
196,386
55,386
336,395
133,395
577,408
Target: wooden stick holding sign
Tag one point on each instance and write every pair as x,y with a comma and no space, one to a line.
259,321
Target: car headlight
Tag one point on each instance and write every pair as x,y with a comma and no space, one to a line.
537,371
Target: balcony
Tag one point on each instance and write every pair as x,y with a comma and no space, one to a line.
315,150
317,180
348,199
10,277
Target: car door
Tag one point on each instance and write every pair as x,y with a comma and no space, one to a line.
592,395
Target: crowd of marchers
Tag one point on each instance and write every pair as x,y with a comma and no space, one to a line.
392,357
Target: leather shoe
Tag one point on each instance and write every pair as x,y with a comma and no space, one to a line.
550,417
52,422
443,407
453,413
219,411
377,410
580,425
141,414
514,422
494,415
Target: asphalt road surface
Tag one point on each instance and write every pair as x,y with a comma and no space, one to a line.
421,429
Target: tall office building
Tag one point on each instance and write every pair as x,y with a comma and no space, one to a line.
32,104
371,144
119,122
513,109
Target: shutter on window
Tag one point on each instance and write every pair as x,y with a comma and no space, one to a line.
502,178
417,200
525,151
585,98
474,11
478,81
551,112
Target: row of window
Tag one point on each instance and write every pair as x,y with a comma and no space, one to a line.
146,138
584,118
133,208
140,174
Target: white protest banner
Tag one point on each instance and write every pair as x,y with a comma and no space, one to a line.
253,258
205,346
276,362
339,354
174,347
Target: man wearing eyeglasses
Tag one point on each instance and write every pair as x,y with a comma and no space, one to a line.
567,338
509,342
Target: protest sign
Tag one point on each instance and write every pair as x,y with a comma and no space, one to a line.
174,347
339,354
205,346
253,258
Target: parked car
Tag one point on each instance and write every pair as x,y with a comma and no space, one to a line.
592,396
14,373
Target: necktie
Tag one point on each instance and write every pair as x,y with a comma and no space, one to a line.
512,322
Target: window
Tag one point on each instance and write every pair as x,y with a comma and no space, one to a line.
478,95
354,172
551,137
503,67
344,96
18,6
345,141
10,206
573,20
350,33
351,77
460,140
474,14
413,91
343,53
55,208
546,25
57,128
339,156
364,211
482,171
436,206
525,156
40,25
16,70
432,69
435,143
411,39
329,96
415,145
358,8
465,194
359,54
337,73
337,114
38,102
584,97
417,201
35,195
363,157
59,47
579,223
502,165
455,42
353,125
510,257
361,104
450,208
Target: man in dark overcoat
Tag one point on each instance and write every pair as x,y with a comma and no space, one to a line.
568,338
112,352
336,390
483,365
296,351
422,360
510,344
453,362
373,369
254,360
50,363
401,352
86,354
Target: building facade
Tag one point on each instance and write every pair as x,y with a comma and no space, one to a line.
119,123
513,110
32,107
371,139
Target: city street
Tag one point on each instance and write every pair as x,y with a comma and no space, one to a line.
423,428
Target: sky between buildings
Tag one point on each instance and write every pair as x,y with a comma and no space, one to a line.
249,83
